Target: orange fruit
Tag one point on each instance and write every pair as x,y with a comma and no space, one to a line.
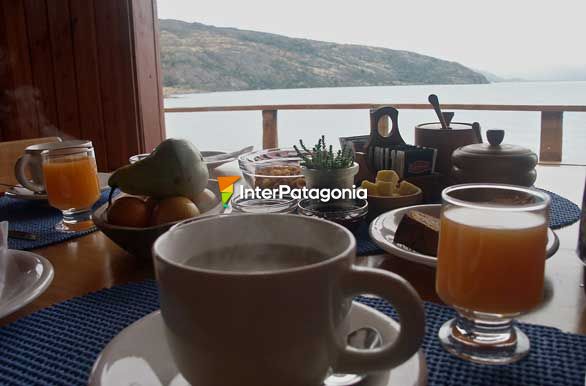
172,209
130,212
151,203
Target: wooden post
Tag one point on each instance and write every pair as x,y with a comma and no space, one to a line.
270,132
551,136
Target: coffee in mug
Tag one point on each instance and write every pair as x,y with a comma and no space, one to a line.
263,299
256,258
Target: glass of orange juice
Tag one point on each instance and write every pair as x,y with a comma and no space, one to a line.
491,261
72,185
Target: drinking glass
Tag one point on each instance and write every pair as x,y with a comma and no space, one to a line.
491,261
72,185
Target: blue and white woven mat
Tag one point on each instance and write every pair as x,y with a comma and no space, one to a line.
39,218
58,345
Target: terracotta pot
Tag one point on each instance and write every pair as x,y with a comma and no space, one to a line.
330,178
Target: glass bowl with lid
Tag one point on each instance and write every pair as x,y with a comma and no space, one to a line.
349,213
271,168
260,205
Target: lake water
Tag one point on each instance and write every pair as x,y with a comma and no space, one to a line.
232,130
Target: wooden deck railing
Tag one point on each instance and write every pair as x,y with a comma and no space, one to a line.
551,118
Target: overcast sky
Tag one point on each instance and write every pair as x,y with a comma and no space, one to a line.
509,38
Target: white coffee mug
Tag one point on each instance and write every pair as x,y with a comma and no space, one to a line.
277,327
31,160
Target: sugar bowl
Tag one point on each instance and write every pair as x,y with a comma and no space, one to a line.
494,162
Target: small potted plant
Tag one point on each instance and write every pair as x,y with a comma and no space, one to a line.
324,168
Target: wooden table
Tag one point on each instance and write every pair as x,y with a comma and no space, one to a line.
93,262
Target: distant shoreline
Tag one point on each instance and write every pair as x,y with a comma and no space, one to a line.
173,92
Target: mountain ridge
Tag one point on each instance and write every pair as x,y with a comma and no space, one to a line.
199,58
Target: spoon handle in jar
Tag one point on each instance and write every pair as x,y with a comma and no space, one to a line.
438,111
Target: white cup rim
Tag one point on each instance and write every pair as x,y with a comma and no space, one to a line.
40,147
349,250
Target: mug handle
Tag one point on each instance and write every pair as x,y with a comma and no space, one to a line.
19,172
397,291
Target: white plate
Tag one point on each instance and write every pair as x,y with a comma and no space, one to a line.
23,277
139,355
25,194
382,232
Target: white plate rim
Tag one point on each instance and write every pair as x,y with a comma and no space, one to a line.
389,246
102,360
35,290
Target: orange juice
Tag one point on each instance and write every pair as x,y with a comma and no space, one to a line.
491,261
72,183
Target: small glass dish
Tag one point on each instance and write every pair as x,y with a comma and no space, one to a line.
349,213
271,168
260,205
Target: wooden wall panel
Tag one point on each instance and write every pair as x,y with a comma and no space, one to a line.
42,66
82,69
63,68
5,80
159,80
18,100
88,77
114,59
148,79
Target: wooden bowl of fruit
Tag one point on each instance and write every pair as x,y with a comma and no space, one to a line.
145,219
387,193
169,185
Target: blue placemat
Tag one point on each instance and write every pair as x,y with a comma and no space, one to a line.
364,245
58,345
562,212
37,217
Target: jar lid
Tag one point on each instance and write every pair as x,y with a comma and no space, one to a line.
493,160
493,149
346,212
438,126
260,205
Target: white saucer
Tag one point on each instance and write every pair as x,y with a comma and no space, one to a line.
23,277
382,232
139,355
25,194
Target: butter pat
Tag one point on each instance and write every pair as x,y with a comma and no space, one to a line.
385,188
371,188
406,188
387,176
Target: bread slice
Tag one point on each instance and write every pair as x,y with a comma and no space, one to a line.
419,231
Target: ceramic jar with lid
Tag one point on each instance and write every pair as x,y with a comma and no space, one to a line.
446,140
494,162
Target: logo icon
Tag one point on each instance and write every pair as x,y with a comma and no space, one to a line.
226,184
